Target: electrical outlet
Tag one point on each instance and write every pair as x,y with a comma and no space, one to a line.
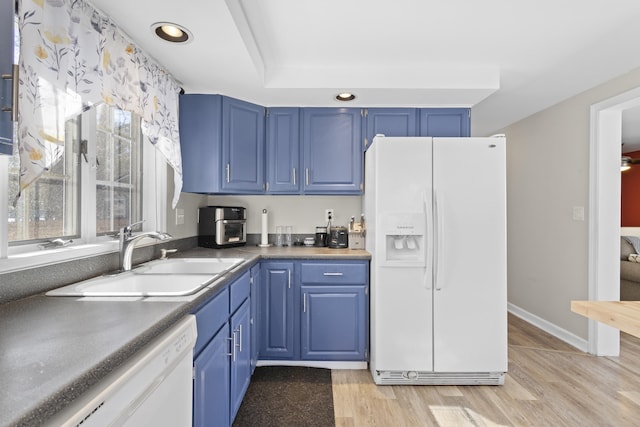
328,215
179,216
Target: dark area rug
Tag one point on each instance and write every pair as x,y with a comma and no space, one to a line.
287,396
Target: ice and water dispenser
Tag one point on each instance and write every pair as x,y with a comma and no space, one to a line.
404,239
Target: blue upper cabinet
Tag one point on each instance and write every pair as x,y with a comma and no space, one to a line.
283,150
242,146
229,148
390,122
200,142
7,16
332,150
222,144
445,122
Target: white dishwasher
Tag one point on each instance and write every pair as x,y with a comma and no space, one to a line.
154,388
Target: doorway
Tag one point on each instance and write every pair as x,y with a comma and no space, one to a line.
604,207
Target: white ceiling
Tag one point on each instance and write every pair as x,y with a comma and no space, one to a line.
631,130
507,59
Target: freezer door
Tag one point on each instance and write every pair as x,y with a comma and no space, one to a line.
398,193
470,293
401,328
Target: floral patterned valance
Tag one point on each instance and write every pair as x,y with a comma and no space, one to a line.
72,57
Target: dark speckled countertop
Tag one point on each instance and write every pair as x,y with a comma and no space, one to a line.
53,349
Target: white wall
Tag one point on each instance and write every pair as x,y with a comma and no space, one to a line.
547,176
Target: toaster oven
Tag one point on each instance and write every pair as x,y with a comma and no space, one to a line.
222,226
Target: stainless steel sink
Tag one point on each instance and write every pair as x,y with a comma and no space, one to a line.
129,284
188,266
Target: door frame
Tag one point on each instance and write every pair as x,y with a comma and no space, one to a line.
605,150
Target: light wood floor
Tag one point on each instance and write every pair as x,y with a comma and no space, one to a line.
549,383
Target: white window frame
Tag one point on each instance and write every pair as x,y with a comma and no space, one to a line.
154,185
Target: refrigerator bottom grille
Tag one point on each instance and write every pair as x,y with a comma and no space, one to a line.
437,378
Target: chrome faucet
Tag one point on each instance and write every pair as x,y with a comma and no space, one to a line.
128,243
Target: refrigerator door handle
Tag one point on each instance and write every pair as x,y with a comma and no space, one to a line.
438,239
426,206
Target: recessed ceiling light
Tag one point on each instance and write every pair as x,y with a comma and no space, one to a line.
171,32
345,96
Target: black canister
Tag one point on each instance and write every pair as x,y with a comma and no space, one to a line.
321,237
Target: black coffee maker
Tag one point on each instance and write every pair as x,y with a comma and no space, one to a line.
321,237
338,238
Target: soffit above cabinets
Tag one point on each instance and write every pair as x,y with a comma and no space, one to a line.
505,59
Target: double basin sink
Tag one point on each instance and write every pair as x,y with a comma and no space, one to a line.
159,278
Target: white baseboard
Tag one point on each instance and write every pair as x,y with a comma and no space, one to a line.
314,364
550,328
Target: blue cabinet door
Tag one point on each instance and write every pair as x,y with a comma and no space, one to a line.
255,314
445,122
240,355
211,383
334,322
242,146
390,122
332,150
283,150
277,311
7,16
201,142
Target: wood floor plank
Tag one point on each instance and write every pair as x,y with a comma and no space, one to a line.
634,396
549,383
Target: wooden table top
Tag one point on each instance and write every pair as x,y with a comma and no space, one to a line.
624,315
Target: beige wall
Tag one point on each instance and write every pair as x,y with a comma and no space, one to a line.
190,204
303,213
547,176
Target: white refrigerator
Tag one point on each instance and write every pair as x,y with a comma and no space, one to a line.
436,230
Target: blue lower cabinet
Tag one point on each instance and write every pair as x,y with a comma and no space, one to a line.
333,323
240,355
277,311
222,364
211,384
255,314
315,310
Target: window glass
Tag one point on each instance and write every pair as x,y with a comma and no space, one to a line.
118,189
49,208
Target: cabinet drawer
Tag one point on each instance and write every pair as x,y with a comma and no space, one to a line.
210,318
334,273
240,290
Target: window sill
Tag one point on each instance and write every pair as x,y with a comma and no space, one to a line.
42,258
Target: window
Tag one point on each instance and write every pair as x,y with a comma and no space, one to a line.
88,193
107,143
